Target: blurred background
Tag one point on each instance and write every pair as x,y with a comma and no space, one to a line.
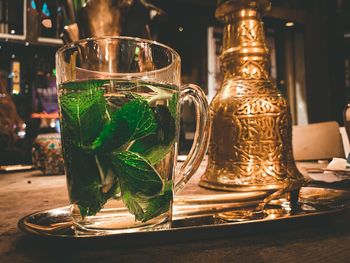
309,42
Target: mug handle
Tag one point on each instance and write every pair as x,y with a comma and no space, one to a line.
201,137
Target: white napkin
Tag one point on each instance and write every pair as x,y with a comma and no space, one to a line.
337,164
336,172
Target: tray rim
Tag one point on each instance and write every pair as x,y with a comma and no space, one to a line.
175,230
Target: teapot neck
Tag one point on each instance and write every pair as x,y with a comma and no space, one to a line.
244,51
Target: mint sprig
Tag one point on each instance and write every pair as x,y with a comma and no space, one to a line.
155,147
133,121
83,180
136,173
113,154
173,105
82,115
145,209
159,204
133,206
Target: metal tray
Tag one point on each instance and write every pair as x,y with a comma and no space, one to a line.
197,219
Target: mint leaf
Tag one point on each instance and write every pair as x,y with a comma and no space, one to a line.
82,114
154,147
159,204
83,179
139,181
173,105
132,205
92,85
136,173
133,121
86,188
91,199
150,149
154,206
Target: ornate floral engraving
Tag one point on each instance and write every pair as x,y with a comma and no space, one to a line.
251,136
250,30
253,69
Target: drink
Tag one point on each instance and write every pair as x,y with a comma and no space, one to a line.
119,141
120,132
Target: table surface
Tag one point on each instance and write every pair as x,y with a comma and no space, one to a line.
23,193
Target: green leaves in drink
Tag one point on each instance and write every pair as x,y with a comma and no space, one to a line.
134,120
132,204
173,105
82,115
153,206
83,180
149,149
136,173
144,208
113,154
159,204
154,147
82,120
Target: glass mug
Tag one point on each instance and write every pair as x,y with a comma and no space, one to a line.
119,103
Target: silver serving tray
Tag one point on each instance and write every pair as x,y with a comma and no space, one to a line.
202,217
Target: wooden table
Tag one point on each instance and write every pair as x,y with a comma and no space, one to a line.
26,192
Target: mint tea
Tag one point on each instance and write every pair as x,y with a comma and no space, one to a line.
119,141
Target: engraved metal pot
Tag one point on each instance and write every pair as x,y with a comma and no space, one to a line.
251,139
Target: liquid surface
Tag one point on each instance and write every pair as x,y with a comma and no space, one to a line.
119,142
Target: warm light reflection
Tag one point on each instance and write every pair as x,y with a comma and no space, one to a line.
45,115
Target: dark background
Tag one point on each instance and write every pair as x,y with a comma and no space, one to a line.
323,64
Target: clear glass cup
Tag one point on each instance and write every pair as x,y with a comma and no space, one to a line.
119,101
